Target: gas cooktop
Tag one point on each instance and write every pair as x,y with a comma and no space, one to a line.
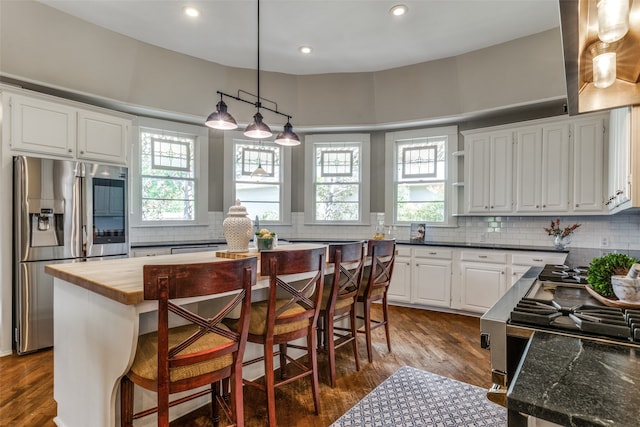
569,307
564,274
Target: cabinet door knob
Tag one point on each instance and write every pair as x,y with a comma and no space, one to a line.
537,206
70,150
544,206
577,205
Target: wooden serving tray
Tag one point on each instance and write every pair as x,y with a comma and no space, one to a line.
611,302
236,255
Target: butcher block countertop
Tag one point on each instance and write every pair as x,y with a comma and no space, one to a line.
121,279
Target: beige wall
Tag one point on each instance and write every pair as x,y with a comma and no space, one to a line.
44,45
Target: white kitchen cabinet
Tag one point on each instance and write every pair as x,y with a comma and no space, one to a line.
482,284
542,169
620,158
522,261
46,125
482,279
431,277
102,137
40,126
400,286
489,172
588,165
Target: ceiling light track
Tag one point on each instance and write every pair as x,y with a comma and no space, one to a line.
222,120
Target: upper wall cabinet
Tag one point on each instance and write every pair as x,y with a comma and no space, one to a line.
39,124
489,172
588,164
542,169
557,165
624,159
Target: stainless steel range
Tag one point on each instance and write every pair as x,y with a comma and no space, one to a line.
554,299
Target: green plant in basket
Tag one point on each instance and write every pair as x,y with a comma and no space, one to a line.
601,269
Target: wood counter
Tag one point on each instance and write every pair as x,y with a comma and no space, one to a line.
121,279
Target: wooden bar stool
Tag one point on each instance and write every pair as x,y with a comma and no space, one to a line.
202,352
375,285
339,302
290,313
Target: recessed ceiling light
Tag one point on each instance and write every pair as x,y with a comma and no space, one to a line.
192,12
305,49
398,10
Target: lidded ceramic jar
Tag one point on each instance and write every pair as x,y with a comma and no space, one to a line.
237,228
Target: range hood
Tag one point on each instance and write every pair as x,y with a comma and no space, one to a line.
579,28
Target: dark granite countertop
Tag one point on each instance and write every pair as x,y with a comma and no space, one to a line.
577,382
400,242
452,245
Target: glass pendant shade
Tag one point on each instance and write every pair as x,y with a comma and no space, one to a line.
613,19
287,136
604,65
220,119
259,171
257,129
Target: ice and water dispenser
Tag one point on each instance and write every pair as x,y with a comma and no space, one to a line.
47,224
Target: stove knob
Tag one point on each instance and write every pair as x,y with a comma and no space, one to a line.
485,342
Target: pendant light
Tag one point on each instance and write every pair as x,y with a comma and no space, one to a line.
259,171
257,129
613,19
287,136
604,64
220,119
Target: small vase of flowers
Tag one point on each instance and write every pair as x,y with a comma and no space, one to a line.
265,240
561,235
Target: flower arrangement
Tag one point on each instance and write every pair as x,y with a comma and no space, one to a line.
555,229
265,239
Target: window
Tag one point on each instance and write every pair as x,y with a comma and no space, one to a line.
421,176
266,196
337,178
170,179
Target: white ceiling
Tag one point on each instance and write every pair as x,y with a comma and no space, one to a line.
346,35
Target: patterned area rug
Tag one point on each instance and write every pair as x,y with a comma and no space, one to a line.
411,397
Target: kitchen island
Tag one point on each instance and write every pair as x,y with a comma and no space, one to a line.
99,311
572,381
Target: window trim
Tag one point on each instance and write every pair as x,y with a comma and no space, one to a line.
229,193
310,141
451,195
201,155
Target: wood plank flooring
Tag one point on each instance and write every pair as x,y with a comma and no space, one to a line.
442,343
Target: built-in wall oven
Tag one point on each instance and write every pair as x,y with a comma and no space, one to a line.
64,211
553,299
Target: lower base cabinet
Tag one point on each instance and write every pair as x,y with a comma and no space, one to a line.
481,285
470,281
400,286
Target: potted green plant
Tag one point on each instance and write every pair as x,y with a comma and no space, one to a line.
601,269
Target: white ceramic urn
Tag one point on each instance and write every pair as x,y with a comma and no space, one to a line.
237,228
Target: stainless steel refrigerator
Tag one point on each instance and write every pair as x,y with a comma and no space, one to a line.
64,211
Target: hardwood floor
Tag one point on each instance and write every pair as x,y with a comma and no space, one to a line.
442,343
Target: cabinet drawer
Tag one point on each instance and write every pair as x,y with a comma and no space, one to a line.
403,251
434,253
484,256
135,253
539,259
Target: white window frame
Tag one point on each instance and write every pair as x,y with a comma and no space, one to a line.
364,140
229,194
201,146
391,179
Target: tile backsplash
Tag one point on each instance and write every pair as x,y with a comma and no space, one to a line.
602,233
